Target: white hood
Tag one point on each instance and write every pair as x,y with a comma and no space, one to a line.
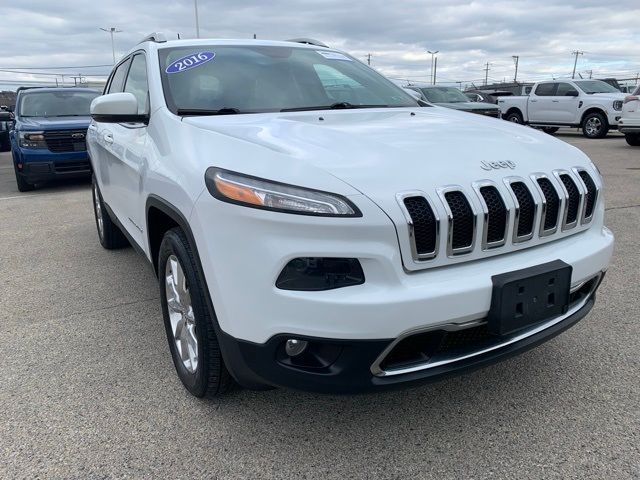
385,151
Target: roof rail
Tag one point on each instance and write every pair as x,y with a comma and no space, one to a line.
157,37
308,41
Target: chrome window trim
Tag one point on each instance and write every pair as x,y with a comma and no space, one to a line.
543,205
454,252
515,238
583,213
485,214
569,225
379,372
410,228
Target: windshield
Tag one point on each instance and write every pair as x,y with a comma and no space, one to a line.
595,86
56,104
252,79
444,95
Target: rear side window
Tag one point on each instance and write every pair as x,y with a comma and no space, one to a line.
137,83
564,89
546,89
117,80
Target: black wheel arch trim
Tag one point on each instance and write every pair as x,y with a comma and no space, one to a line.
228,349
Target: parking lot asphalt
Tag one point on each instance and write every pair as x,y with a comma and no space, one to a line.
88,390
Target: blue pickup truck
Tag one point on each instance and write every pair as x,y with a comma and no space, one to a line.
48,139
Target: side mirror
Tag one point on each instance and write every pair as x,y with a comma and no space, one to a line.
117,108
572,93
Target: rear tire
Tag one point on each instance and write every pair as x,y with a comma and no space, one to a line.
633,139
550,130
595,125
514,117
110,236
188,322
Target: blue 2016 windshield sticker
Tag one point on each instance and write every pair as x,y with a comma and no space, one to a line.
190,61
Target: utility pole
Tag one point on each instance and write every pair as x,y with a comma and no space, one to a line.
111,31
486,73
431,71
516,58
195,6
575,63
435,70
369,59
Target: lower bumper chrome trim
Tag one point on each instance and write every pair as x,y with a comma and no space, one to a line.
377,370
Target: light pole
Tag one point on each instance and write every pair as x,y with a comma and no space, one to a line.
431,71
195,5
111,31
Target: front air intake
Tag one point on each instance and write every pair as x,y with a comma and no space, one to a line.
462,223
572,206
497,217
551,207
423,227
525,214
591,195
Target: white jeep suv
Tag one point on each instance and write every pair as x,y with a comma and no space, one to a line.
313,226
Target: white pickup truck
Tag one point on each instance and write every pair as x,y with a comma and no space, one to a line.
593,105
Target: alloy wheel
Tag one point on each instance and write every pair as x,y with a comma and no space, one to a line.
98,210
181,314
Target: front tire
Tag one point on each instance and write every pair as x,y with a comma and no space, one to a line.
514,117
595,125
110,236
633,139
192,339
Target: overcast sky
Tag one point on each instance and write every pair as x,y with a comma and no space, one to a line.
41,34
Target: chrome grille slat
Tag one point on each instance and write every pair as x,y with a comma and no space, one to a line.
590,193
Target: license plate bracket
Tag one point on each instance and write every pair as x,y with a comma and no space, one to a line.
525,297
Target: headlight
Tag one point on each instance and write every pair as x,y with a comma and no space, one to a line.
259,193
32,139
617,105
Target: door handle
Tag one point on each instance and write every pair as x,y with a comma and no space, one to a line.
108,137
533,101
555,101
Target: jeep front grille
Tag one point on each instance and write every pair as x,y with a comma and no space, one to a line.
517,211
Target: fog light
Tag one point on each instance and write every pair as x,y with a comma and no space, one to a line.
294,347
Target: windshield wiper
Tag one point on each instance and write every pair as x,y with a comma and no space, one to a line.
333,106
204,112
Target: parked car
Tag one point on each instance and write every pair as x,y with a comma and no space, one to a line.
510,88
592,105
630,121
49,139
486,97
330,241
451,97
5,125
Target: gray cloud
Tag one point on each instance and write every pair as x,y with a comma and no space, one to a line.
41,33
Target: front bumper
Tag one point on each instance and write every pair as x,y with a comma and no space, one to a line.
355,369
40,166
629,126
